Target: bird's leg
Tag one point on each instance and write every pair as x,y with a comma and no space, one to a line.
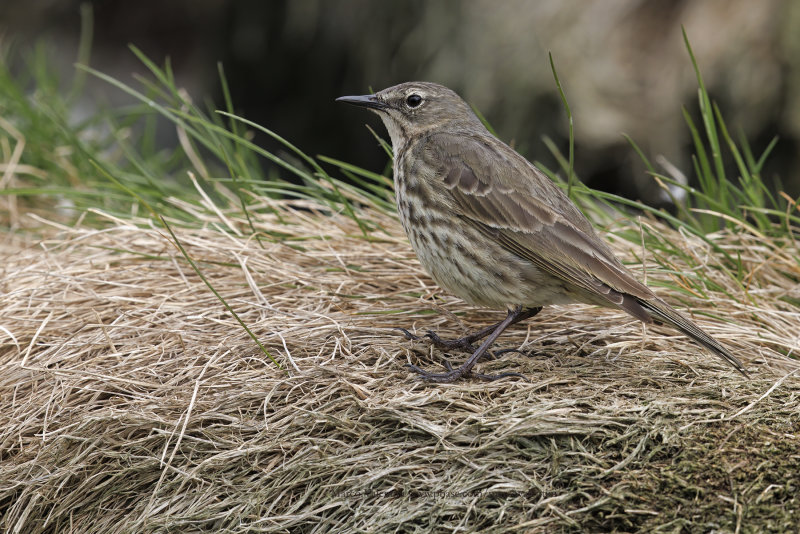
467,341
466,369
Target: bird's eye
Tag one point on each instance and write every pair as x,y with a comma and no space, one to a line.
413,100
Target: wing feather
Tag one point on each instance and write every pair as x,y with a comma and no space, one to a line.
509,200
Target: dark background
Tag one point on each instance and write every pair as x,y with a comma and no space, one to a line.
623,65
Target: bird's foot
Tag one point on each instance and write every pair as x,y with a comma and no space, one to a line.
463,343
460,343
453,375
465,370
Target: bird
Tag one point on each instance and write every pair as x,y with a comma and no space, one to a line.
492,229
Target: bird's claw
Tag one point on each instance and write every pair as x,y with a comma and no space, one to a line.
409,335
442,378
438,342
454,374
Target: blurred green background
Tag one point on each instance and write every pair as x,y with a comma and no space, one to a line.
623,65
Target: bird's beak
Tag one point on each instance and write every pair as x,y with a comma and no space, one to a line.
366,101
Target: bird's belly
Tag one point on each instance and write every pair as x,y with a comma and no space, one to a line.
467,264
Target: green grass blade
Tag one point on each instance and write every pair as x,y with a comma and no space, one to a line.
208,284
571,166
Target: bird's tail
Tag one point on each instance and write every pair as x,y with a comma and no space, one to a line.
661,311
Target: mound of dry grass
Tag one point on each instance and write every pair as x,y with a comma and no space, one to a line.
131,400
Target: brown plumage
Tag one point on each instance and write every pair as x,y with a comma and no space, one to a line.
493,229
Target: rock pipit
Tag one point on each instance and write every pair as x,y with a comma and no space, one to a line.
492,229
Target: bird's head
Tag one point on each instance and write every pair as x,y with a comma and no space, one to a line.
412,109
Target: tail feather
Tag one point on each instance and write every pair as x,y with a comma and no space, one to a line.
661,311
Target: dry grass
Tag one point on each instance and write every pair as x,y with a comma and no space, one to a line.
131,401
